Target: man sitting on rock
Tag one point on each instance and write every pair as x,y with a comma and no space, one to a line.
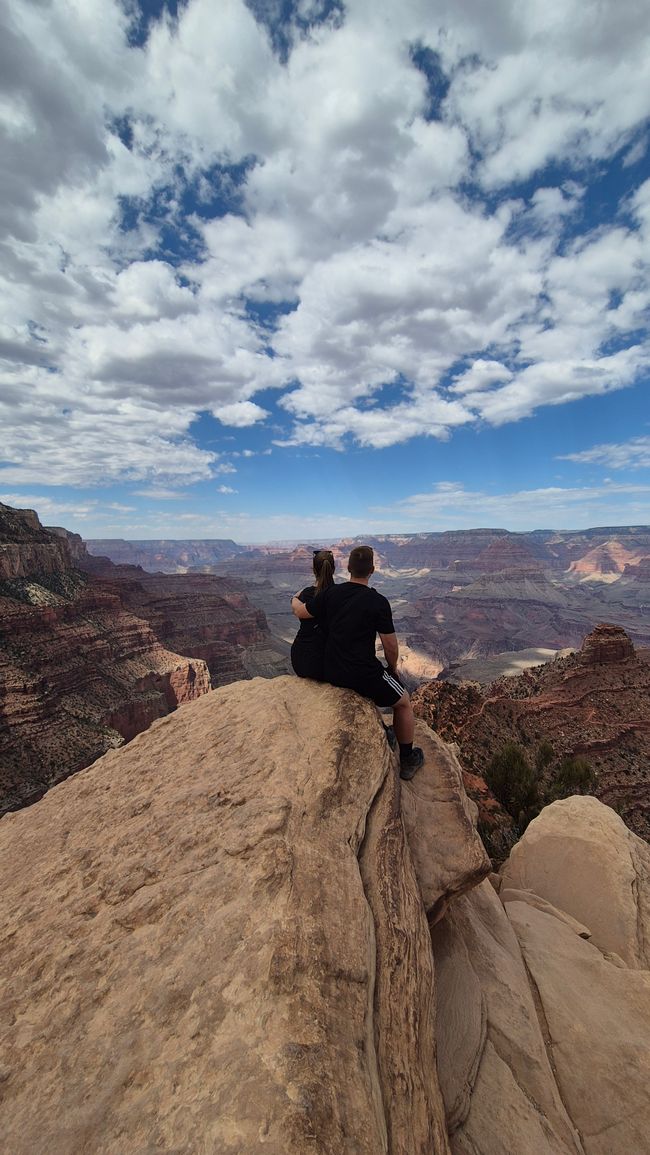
353,614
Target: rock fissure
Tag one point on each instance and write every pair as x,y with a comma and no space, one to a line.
549,1044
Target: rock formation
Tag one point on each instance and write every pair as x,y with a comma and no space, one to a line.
92,653
606,644
592,703
238,934
164,556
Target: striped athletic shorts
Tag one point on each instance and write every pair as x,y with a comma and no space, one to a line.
384,689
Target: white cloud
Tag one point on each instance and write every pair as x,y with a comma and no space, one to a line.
225,489
240,413
368,219
449,505
634,454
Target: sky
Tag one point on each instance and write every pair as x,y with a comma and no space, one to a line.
304,269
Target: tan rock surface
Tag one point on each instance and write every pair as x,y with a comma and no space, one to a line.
579,856
496,1076
439,820
598,1020
190,945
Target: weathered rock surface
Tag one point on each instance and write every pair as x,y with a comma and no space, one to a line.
26,548
496,1075
543,1034
218,941
214,937
606,643
580,856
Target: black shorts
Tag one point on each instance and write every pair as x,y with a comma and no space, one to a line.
383,690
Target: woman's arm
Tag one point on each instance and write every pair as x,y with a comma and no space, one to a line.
300,609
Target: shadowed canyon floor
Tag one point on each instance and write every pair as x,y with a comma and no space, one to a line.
239,935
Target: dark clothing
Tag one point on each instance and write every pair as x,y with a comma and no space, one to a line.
308,649
352,615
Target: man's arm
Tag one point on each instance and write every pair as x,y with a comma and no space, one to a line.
391,650
300,609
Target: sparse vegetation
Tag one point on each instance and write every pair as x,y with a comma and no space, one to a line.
513,781
572,776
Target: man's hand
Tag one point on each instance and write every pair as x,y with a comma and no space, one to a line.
391,651
300,609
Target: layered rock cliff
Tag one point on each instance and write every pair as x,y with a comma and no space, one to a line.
592,703
91,653
79,672
238,934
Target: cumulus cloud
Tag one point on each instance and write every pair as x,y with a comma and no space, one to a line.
225,489
191,220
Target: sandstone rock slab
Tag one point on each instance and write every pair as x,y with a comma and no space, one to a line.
439,819
193,959
598,1021
495,1073
579,856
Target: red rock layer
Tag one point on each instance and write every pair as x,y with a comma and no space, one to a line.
79,672
199,615
78,675
593,703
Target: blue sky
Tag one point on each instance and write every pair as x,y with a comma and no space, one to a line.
297,269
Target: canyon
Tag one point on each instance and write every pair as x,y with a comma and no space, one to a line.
592,703
241,934
92,653
461,596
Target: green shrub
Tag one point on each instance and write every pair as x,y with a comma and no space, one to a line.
573,776
544,756
513,781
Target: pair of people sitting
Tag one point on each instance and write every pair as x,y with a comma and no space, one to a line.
336,642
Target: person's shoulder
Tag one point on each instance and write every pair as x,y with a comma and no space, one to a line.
308,592
380,598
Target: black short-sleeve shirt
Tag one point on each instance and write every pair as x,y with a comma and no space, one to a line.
353,615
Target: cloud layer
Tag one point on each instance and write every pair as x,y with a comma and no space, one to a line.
382,216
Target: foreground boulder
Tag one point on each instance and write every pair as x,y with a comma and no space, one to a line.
543,1029
242,934
215,941
581,857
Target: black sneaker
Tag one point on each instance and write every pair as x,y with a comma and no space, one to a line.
410,763
390,736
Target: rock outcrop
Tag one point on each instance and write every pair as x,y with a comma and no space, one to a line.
91,653
238,934
591,704
27,548
214,936
606,644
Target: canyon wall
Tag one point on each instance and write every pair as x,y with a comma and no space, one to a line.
592,703
79,674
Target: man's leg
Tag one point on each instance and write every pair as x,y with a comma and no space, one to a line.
403,720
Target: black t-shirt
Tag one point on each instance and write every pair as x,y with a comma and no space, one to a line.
308,630
353,615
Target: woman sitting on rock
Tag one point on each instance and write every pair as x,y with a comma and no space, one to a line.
308,649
